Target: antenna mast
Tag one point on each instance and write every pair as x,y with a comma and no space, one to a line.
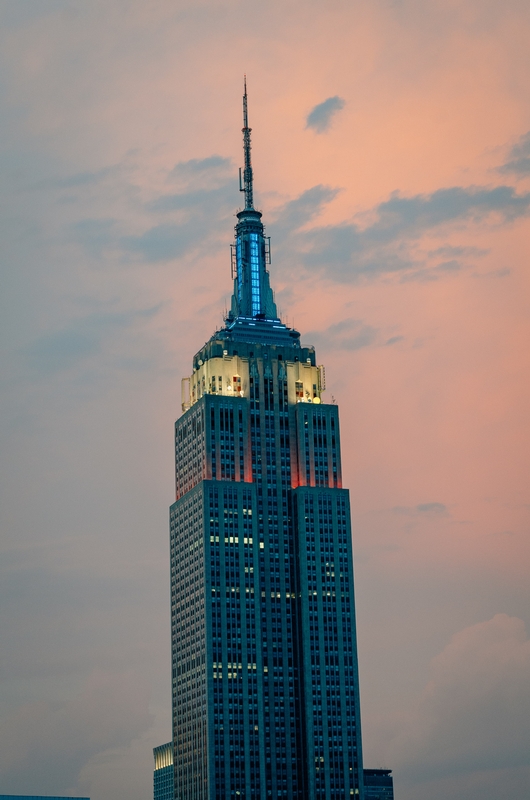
245,185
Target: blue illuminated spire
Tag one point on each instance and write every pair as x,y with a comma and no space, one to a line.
253,296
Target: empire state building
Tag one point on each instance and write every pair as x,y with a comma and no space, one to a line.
265,690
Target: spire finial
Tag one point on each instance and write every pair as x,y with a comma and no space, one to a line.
246,184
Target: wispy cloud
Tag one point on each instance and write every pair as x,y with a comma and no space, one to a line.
162,242
423,509
81,179
518,162
190,219
95,235
82,338
195,218
320,117
298,212
202,216
448,251
348,252
214,165
348,334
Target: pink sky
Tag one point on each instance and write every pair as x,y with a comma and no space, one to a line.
407,267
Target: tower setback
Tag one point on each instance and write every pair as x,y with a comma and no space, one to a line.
264,660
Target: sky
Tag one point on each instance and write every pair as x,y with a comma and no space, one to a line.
391,153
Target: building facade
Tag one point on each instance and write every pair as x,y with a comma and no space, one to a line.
163,783
264,662
378,784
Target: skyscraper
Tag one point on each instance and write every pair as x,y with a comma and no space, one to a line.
37,797
265,683
378,784
163,783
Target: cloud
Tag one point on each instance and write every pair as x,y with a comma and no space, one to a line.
202,210
348,252
518,158
81,339
214,166
95,235
319,118
43,740
199,212
450,266
503,272
422,212
349,334
79,179
162,242
298,212
200,201
448,251
426,509
432,508
474,713
201,216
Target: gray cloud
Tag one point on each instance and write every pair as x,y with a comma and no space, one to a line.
421,212
42,740
518,158
450,266
82,338
203,217
200,213
79,179
432,508
474,713
447,251
205,202
426,509
298,212
503,272
95,235
162,242
319,118
348,252
349,334
212,166
203,209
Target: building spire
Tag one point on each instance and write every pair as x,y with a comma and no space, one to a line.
253,297
245,185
